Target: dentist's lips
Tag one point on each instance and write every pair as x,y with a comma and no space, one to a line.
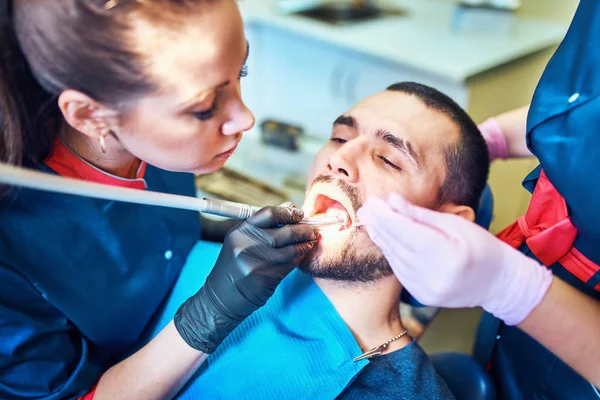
228,153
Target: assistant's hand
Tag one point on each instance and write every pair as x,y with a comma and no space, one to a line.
256,255
497,143
446,261
505,134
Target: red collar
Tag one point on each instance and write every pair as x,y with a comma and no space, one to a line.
66,163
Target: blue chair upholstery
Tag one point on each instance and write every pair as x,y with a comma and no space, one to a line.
466,379
485,210
483,218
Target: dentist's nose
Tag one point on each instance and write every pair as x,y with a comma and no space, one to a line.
241,119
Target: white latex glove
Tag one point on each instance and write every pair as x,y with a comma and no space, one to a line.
444,260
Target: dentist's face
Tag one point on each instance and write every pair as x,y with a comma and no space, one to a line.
390,142
195,118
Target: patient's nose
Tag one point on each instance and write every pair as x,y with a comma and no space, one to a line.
341,166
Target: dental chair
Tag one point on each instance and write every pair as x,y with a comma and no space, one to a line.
466,379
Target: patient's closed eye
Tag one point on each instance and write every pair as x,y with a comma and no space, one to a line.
389,163
338,140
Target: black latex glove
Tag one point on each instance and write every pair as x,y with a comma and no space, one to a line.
256,255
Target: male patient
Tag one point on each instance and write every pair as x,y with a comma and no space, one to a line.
414,141
409,139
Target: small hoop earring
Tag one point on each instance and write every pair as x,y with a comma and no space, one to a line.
102,139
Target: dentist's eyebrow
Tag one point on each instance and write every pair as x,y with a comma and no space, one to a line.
399,144
199,98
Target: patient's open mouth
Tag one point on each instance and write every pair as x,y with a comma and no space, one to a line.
328,207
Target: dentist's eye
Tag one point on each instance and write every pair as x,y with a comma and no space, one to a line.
244,71
390,164
338,140
205,115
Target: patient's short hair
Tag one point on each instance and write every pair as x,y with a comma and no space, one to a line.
467,160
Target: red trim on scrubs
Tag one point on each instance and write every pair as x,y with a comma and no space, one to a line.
549,233
66,163
90,394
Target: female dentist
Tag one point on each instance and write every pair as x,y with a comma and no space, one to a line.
106,91
542,279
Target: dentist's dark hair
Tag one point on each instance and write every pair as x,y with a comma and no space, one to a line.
49,46
23,110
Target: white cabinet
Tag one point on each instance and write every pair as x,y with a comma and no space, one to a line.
294,80
308,82
369,75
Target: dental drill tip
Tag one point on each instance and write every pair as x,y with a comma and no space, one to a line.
323,221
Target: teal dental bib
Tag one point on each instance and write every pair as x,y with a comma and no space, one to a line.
295,347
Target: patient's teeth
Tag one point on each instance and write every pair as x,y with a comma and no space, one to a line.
333,212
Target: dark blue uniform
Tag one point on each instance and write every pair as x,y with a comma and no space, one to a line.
80,280
564,133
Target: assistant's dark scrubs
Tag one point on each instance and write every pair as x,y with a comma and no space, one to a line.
564,133
81,278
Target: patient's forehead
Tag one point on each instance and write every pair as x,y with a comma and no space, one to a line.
407,115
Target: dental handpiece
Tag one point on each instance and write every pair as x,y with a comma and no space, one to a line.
16,176
325,221
228,209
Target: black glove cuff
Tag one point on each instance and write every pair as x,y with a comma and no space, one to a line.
201,324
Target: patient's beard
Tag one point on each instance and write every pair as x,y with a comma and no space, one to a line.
346,260
347,264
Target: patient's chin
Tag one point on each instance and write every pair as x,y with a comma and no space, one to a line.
353,258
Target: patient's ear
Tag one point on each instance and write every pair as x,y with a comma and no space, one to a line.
465,212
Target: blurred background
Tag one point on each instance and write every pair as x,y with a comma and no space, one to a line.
312,60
